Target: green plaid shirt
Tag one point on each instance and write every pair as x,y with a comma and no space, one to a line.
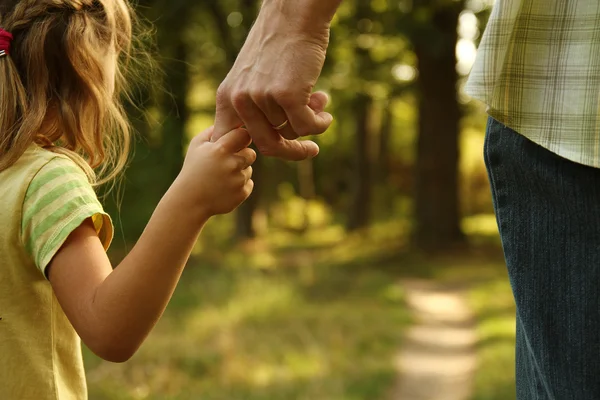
538,70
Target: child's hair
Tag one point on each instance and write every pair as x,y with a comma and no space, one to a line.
53,88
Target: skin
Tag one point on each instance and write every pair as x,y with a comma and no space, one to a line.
273,78
114,310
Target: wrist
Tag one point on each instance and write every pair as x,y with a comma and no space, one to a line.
177,198
307,18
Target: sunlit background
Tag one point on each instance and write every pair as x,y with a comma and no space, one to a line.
311,289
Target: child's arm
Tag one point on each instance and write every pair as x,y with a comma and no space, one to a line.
113,311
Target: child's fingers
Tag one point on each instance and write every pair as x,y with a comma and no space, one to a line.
247,173
235,140
249,187
203,137
247,157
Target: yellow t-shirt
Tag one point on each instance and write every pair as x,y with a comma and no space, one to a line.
43,198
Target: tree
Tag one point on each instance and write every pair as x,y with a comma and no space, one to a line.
159,151
436,195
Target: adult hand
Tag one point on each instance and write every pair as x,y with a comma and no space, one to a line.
272,82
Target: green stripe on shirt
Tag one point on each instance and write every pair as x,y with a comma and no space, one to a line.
51,171
52,193
57,201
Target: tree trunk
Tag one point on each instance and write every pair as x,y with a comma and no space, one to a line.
174,126
361,200
436,198
385,204
152,168
383,159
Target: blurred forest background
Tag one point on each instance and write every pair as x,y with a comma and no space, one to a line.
298,294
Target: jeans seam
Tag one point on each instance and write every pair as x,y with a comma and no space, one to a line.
492,174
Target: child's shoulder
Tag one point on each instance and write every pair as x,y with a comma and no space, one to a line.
34,161
36,158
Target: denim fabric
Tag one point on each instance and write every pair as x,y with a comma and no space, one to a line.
548,212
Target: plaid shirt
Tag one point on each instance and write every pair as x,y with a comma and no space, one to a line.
538,70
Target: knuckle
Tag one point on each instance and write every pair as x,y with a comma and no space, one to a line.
218,148
259,96
233,165
276,94
285,98
278,90
223,93
240,100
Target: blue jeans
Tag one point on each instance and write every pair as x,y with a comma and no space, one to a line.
548,212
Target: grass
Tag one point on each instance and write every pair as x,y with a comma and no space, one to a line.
314,318
308,324
494,306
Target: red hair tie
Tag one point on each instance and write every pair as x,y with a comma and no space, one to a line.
5,39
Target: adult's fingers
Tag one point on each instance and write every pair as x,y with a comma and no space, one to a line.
275,115
270,143
226,117
235,140
305,121
318,101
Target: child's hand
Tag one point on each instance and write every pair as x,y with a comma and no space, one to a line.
114,310
216,177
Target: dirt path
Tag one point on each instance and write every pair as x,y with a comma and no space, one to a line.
438,357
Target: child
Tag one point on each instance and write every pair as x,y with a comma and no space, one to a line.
58,120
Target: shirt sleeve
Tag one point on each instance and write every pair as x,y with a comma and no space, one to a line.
58,200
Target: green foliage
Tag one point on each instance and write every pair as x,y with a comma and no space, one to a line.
371,54
323,324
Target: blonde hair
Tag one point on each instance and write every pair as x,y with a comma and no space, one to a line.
54,88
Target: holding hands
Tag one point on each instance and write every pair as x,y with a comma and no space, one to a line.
217,176
269,90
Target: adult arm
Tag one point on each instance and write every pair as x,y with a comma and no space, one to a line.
273,78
